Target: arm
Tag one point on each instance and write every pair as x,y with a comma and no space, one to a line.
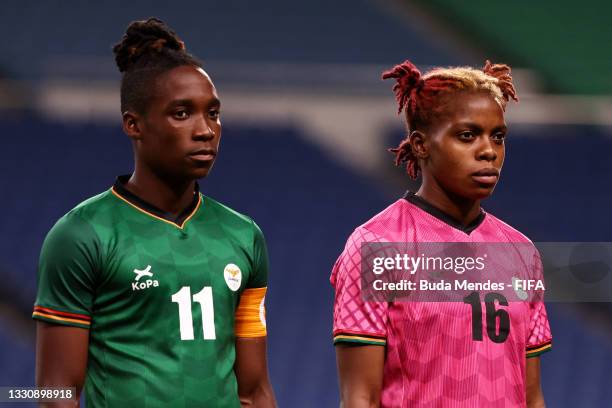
61,359
535,397
63,308
254,389
360,370
539,341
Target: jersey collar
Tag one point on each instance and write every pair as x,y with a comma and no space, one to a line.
148,208
442,216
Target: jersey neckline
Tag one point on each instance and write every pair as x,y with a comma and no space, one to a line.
442,216
119,190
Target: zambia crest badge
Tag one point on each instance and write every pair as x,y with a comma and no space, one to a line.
233,276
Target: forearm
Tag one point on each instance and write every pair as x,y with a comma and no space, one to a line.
63,404
53,379
61,360
536,401
535,396
254,389
360,371
260,396
359,401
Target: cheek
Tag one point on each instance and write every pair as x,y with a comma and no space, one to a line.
158,131
501,156
450,160
217,130
174,135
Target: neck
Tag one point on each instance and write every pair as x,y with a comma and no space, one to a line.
462,209
167,194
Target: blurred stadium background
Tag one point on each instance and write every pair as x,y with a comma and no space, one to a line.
306,126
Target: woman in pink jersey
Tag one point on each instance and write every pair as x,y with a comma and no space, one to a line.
410,354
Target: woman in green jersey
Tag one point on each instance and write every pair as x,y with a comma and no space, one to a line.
151,293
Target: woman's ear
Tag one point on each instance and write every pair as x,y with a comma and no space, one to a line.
131,125
418,144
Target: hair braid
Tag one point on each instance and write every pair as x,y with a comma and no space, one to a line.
504,79
404,154
408,78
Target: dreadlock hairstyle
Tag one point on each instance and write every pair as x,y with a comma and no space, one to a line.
421,97
148,48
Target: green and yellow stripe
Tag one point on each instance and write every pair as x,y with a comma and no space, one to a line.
535,351
360,338
57,316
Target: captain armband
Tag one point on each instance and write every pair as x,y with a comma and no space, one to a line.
251,313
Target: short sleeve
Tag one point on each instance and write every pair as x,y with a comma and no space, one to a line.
356,321
539,338
259,277
250,316
66,273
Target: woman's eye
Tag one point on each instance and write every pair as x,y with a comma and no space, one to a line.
499,137
214,114
182,114
466,135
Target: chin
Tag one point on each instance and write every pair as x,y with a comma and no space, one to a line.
201,172
474,193
484,192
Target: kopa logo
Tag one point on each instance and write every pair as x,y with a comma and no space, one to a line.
145,284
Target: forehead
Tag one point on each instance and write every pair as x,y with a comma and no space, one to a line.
473,106
184,83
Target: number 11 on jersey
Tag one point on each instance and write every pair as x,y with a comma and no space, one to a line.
205,299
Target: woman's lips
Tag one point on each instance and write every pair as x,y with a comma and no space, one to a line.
202,156
486,176
485,179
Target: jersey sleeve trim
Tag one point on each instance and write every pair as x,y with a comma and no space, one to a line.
250,319
535,351
341,336
59,317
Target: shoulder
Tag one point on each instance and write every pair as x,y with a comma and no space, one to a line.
378,227
78,220
224,212
347,266
389,213
228,217
91,208
511,233
74,237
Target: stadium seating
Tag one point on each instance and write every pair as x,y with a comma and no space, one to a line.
306,204
225,31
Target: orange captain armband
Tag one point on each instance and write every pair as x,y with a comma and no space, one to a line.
251,313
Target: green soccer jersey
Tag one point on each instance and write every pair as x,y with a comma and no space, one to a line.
159,296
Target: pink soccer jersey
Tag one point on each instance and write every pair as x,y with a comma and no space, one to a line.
431,358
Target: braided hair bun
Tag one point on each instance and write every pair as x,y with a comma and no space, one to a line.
142,40
147,49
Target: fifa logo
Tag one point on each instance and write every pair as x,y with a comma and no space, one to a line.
145,284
